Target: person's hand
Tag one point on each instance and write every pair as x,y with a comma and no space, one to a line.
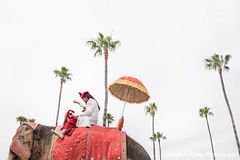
75,101
120,123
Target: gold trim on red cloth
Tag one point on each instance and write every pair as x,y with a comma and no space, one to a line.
124,146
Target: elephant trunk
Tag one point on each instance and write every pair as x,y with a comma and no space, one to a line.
22,151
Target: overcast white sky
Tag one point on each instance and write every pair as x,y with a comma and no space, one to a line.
164,43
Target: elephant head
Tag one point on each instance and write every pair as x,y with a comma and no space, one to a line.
22,143
31,141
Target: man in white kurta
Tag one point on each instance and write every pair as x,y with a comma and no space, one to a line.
89,116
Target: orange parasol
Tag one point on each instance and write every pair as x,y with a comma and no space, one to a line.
129,89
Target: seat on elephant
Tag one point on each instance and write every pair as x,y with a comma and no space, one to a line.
95,143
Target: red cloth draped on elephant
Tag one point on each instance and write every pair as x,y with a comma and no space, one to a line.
98,143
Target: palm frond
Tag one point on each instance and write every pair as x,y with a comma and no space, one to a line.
117,43
221,59
215,57
69,78
202,112
57,73
210,114
93,45
98,52
101,36
208,60
99,42
164,137
90,42
153,138
208,64
226,68
114,45
147,110
108,39
227,58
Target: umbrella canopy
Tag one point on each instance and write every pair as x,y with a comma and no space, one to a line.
129,89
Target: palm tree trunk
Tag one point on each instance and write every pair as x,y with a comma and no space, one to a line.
230,111
210,135
160,151
106,86
154,154
59,100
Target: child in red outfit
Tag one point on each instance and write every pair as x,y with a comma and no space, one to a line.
69,125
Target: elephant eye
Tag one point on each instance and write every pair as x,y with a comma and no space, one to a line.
20,137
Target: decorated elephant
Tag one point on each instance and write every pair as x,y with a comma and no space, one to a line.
31,143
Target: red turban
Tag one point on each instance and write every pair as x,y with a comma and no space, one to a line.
84,94
87,94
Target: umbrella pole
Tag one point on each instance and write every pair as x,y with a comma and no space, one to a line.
123,107
125,101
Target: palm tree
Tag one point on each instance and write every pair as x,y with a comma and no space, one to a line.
204,112
21,119
219,63
153,138
64,75
109,118
103,45
151,109
158,137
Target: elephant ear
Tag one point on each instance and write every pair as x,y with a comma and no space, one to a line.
22,142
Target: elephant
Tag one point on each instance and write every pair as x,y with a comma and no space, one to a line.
35,144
